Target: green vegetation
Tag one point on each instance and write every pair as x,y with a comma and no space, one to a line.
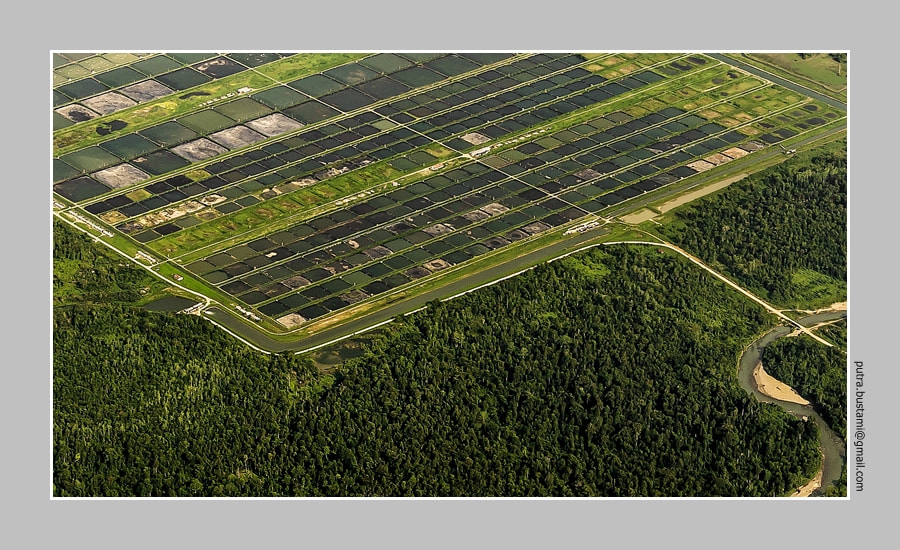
589,384
821,71
295,206
303,64
607,373
782,232
228,230
817,372
168,107
84,273
839,487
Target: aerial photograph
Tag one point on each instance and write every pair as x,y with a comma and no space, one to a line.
449,274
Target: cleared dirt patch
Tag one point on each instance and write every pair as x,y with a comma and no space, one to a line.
274,124
198,150
735,152
438,229
237,137
688,197
121,175
291,320
435,265
208,214
417,272
146,91
717,159
494,208
210,200
641,215
170,214
701,165
354,296
77,113
475,138
536,227
476,215
295,282
587,174
109,103
752,146
377,252
113,217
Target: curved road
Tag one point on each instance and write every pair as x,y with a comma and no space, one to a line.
771,309
261,341
834,449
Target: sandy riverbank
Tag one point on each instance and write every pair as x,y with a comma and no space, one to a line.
775,388
810,487
779,390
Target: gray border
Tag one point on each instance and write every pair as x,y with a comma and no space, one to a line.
33,517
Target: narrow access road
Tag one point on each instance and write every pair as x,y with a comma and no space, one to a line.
779,80
771,309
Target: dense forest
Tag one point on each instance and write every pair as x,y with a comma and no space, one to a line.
84,272
782,232
610,373
817,372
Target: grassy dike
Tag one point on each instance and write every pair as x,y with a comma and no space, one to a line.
143,115
204,239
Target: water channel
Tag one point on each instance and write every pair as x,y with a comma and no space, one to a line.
833,447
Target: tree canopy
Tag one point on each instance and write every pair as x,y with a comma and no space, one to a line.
584,384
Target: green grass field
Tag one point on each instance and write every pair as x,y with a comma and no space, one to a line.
818,70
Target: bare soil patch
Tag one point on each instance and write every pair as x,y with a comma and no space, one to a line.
475,138
438,229
121,175
688,197
291,320
587,174
274,124
717,159
109,103
113,217
354,296
727,122
77,113
641,215
237,137
536,227
494,208
208,214
810,487
146,91
377,252
198,150
701,165
735,152
417,272
476,215
435,265
210,200
295,282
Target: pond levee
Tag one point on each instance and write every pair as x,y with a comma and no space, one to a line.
833,447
